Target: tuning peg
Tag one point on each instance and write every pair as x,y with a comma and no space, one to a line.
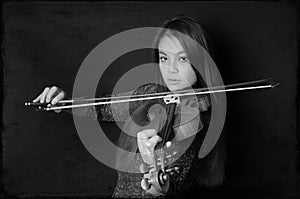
176,169
144,168
165,177
172,170
145,184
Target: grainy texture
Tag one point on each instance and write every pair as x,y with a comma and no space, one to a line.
45,43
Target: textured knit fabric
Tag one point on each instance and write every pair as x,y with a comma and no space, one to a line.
129,184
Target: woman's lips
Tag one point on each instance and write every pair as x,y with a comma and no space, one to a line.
173,81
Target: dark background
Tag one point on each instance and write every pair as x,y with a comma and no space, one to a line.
45,43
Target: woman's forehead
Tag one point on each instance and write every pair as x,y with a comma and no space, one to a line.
170,44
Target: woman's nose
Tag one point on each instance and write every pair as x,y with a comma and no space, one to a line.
173,67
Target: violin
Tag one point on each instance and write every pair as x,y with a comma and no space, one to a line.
170,118
171,114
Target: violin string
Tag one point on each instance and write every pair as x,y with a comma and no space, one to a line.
163,133
155,97
167,131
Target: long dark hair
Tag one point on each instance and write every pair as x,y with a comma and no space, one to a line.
194,39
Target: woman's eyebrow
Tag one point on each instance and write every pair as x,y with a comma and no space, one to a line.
181,52
160,52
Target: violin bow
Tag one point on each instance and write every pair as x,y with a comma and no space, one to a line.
252,85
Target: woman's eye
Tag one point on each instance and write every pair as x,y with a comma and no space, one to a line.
163,59
183,59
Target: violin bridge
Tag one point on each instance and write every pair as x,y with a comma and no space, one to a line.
171,99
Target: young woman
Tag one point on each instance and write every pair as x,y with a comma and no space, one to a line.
181,65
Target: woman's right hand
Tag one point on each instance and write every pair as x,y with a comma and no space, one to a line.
51,94
147,140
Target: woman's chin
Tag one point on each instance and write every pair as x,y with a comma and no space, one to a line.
178,87
174,87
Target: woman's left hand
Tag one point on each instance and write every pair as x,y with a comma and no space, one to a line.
146,140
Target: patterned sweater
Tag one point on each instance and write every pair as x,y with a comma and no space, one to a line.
192,170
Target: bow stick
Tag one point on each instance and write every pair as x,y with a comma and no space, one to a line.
258,84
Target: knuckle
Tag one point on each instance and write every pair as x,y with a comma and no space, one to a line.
63,94
58,97
53,88
139,134
150,131
48,97
142,136
149,143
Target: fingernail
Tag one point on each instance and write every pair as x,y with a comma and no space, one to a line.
53,102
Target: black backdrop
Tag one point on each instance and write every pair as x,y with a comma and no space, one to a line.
45,43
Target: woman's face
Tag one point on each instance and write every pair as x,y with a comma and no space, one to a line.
174,64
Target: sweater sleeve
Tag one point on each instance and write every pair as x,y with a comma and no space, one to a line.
115,112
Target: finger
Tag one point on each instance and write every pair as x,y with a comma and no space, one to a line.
57,110
51,92
43,95
58,97
146,133
153,141
141,140
38,98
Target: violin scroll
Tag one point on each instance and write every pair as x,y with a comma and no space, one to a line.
156,179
